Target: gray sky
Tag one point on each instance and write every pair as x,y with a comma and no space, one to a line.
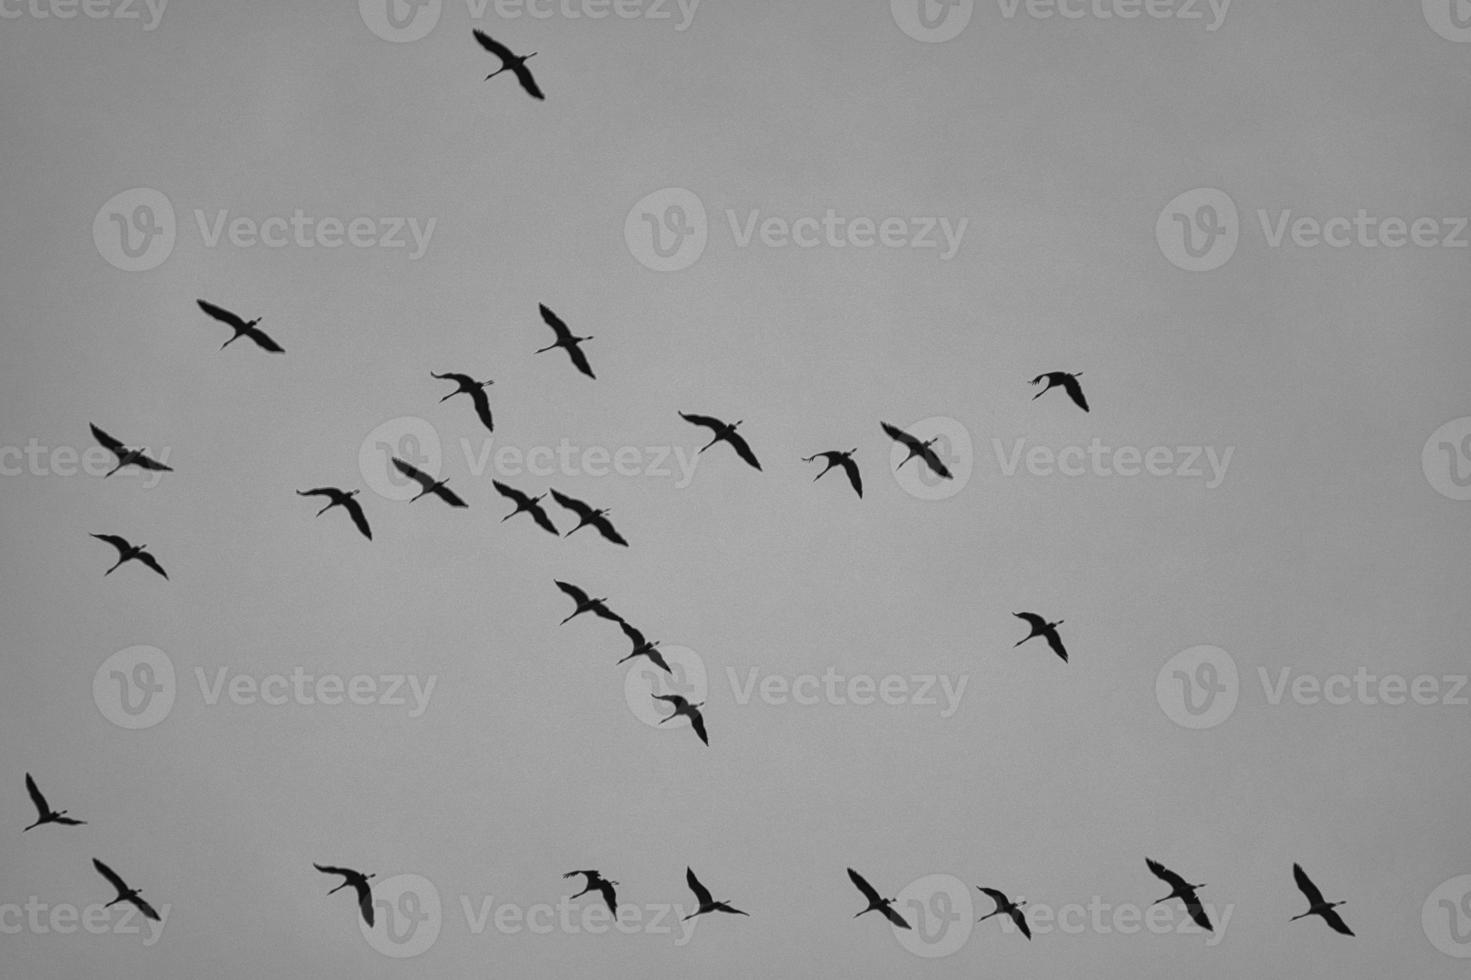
1323,548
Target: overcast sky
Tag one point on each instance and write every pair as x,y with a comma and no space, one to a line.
1051,149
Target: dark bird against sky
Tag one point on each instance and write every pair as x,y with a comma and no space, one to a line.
724,432
359,883
130,552
845,460
690,711
510,61
1040,627
917,449
242,328
427,484
702,896
884,906
126,456
44,813
1068,383
1316,904
1005,906
586,603
566,340
476,391
343,499
1183,890
531,505
595,880
124,893
589,515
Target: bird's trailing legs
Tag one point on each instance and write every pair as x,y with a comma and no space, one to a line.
508,66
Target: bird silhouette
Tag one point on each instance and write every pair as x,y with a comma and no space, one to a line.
44,813
917,450
595,880
724,432
690,711
1316,905
476,391
343,499
566,339
641,646
1183,890
588,515
585,603
1068,382
845,460
1040,627
124,893
885,906
359,883
702,895
126,456
510,61
427,484
130,552
530,505
242,328
1005,906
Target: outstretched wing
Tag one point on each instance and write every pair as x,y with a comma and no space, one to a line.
697,720
463,380
674,699
1306,886
933,462
423,479
152,563
996,896
703,420
121,544
221,314
1166,875
263,340
1038,623
365,899
524,76
449,496
510,493
1055,642
632,632
317,492
702,894
111,876
742,449
584,512
579,360
851,468
1020,918
148,910
900,436
556,323
145,463
107,441
540,517
355,509
42,808
1198,914
608,531
864,886
328,869
492,45
609,895
578,596
1075,391
1335,922
894,917
658,658
482,408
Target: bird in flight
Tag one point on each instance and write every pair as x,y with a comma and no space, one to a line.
1183,890
1068,382
565,338
1040,627
702,895
510,61
476,391
531,505
585,603
359,883
724,432
1316,905
845,460
875,903
242,328
1005,906
428,484
690,711
588,515
642,647
44,813
917,449
126,456
124,893
595,880
130,552
343,499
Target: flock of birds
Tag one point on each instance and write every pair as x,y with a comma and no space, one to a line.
588,516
